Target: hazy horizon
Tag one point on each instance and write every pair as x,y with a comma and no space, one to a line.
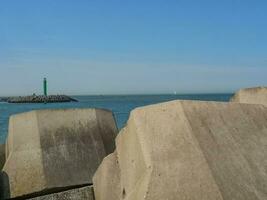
130,94
132,47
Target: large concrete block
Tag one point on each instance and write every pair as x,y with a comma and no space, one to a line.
257,95
184,150
84,193
49,150
2,162
107,185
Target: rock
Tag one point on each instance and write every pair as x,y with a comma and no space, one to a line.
84,193
49,150
2,156
188,150
257,95
40,99
3,99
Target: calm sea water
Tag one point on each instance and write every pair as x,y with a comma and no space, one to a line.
120,105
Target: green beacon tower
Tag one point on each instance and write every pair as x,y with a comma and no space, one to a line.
45,87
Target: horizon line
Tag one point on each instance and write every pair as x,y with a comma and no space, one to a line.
130,94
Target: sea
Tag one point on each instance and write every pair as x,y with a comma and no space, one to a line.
120,105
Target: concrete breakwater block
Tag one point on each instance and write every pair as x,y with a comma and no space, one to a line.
50,150
107,179
84,193
188,150
257,95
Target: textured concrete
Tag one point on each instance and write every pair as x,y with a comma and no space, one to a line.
50,149
185,150
107,185
257,95
2,162
2,155
84,193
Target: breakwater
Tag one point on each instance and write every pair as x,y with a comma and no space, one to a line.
170,150
54,150
39,99
121,105
257,95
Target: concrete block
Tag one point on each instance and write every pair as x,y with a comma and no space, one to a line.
193,150
54,149
110,177
2,162
84,193
257,95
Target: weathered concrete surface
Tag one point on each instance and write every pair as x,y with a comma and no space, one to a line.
84,193
107,186
257,95
2,162
188,150
50,149
2,155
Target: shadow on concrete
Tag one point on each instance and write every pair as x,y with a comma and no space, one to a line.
4,186
2,155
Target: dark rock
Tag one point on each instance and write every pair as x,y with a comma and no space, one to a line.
40,99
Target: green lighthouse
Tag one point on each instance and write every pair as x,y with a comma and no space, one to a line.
45,87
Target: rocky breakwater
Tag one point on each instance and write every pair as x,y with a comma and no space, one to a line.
3,99
175,150
40,99
188,150
256,95
56,153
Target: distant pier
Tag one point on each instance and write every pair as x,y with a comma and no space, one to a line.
40,99
45,98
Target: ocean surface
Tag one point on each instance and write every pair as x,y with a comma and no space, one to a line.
121,105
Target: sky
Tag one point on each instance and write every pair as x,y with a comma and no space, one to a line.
132,47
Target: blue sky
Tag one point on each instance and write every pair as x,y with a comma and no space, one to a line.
128,47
